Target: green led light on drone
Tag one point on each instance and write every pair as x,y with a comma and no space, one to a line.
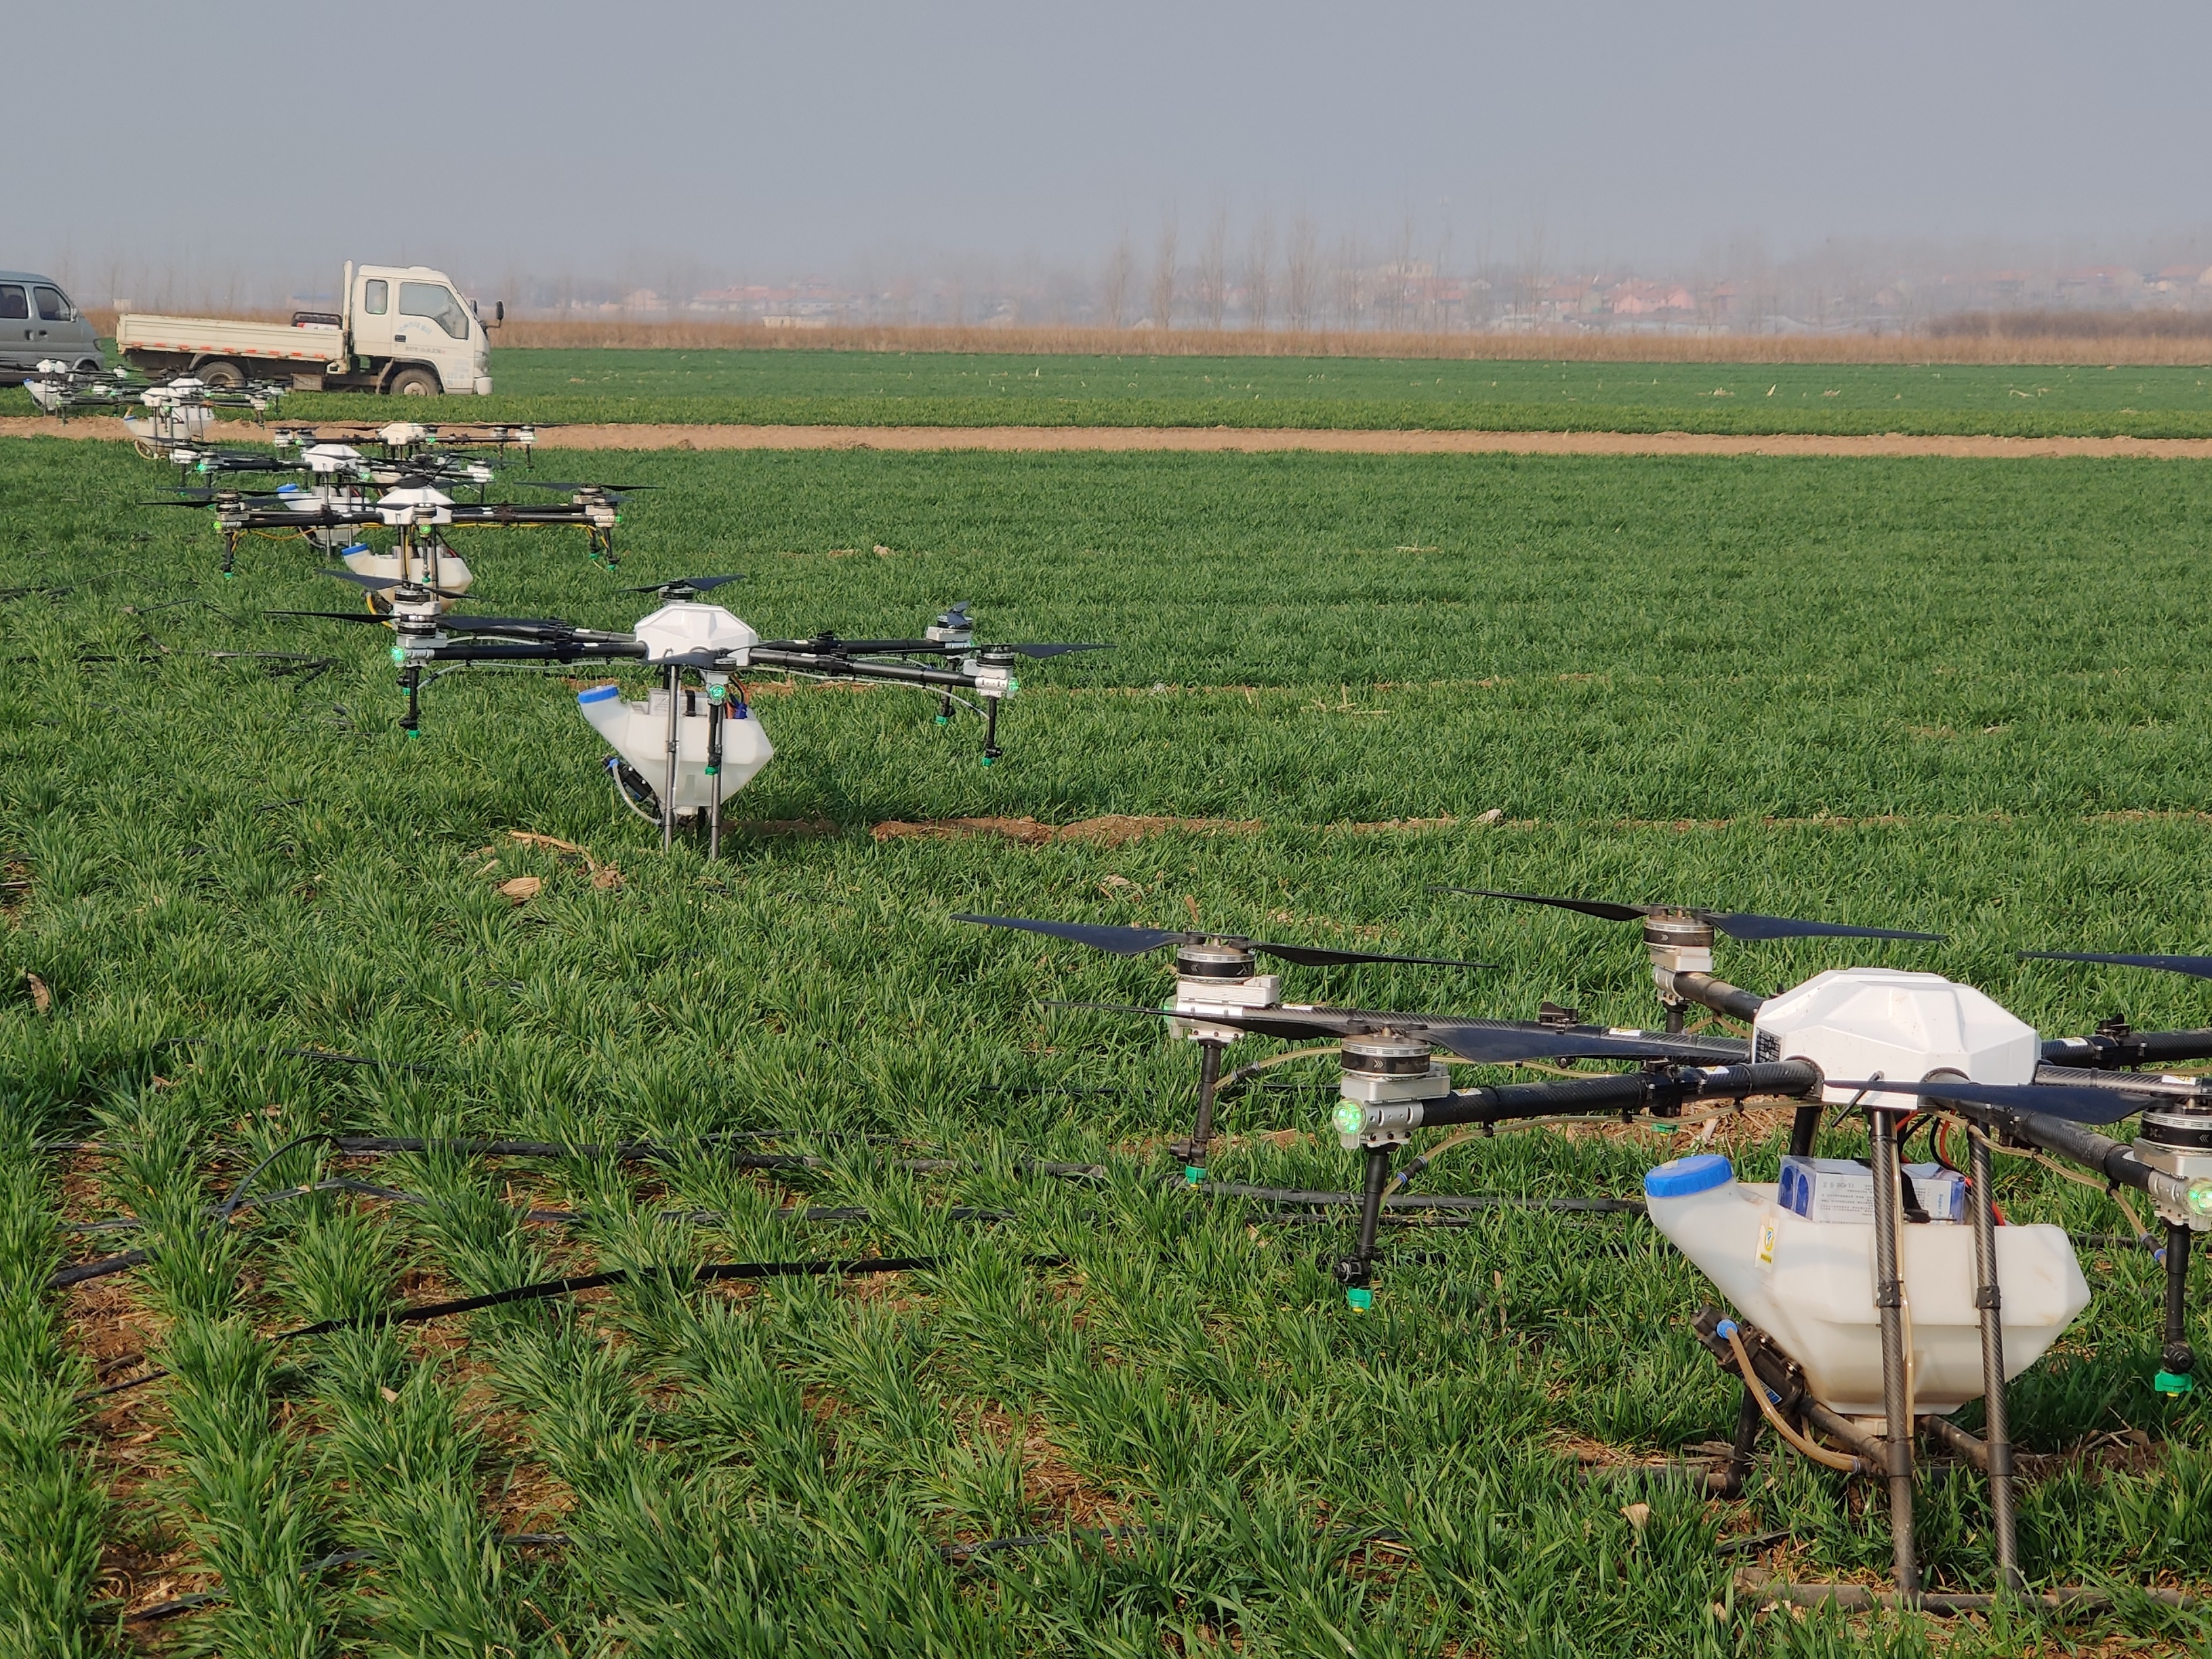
1350,1117
400,653
2200,1198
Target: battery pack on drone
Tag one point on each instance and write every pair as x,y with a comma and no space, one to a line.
1842,1189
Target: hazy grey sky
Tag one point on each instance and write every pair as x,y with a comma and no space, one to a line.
497,138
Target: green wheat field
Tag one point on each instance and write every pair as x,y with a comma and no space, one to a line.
799,386
1100,1415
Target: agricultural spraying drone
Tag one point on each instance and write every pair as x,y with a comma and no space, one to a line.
1907,1049
158,413
681,752
347,492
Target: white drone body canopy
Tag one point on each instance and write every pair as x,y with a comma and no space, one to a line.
686,631
1860,1023
1810,1284
710,639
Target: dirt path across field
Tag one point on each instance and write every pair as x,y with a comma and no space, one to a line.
1217,440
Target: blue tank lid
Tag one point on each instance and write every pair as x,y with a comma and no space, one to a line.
1685,1176
600,694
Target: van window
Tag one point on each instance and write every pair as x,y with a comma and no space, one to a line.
53,308
13,307
376,297
436,302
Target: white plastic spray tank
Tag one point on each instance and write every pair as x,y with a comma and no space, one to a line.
1810,1284
686,634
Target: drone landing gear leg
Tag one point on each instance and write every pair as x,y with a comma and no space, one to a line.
230,553
1192,1152
1804,1124
2178,1363
1677,1015
945,708
1356,1271
668,794
1997,1434
1889,1304
991,750
715,713
1749,1419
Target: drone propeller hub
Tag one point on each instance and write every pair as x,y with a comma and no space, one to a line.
1386,1055
1212,960
1210,975
1679,943
1385,1080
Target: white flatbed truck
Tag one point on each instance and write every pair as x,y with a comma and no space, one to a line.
403,330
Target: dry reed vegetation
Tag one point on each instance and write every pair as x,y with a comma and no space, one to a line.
2031,338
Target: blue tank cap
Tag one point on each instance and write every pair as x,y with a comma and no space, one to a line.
1685,1177
288,489
601,693
358,547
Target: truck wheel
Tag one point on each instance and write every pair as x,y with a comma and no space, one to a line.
221,371
415,383
89,366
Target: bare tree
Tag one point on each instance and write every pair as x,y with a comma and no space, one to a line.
1213,268
1301,272
1164,277
1114,290
1258,270
1352,285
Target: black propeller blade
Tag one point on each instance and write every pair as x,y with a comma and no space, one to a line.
599,488
2196,967
1037,650
2076,1102
379,584
670,589
1479,1041
1135,941
336,616
1735,924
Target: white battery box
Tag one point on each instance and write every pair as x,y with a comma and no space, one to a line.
1842,1189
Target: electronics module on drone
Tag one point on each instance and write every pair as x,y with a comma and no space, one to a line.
1908,1050
683,750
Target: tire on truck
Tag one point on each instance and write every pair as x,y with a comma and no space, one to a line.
414,380
222,371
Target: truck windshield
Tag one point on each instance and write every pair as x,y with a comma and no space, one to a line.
437,303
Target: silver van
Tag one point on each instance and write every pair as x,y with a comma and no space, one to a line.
39,325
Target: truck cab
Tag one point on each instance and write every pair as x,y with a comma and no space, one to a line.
409,317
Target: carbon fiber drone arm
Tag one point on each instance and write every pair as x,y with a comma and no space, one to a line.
581,649
2078,1144
1661,1091
2114,1049
1719,995
839,666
